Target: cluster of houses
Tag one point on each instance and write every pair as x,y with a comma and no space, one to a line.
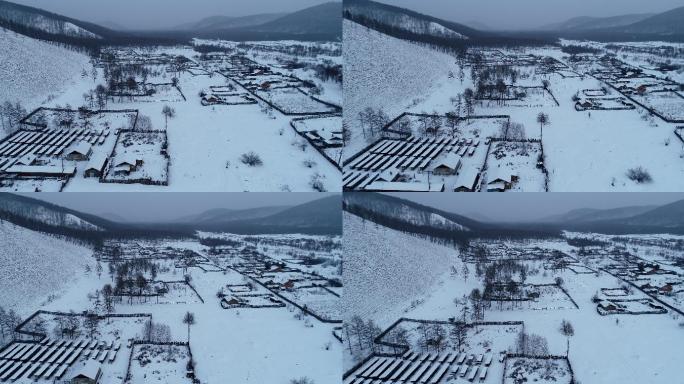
263,300
409,164
603,103
45,152
225,95
502,182
57,360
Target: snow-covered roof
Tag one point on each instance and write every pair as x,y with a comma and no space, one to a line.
501,175
127,159
89,369
97,161
386,175
81,147
497,185
26,160
42,169
467,177
451,161
404,187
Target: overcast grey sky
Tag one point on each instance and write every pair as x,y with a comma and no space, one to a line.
156,14
522,14
529,206
160,206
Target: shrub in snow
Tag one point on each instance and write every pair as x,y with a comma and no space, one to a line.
302,380
301,144
639,175
309,163
251,158
317,183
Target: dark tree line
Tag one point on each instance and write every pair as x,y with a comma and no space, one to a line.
460,239
360,335
10,115
446,43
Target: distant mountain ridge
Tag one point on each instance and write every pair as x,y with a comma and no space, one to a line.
666,23
227,22
592,214
222,215
407,20
667,216
322,22
49,214
588,22
31,18
409,216
323,19
321,216
410,25
407,212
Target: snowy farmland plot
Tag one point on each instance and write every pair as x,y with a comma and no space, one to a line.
200,111
603,121
581,307
262,307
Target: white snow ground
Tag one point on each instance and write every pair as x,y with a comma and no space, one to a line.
34,266
604,349
32,70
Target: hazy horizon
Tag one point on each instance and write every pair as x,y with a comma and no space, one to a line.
529,14
163,14
507,207
164,206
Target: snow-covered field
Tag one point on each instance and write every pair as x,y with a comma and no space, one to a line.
269,344
584,150
384,72
378,260
27,77
206,144
612,348
33,274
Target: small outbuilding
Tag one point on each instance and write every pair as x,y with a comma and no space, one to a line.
95,167
79,152
447,166
89,372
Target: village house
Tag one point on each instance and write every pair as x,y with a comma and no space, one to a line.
502,183
289,285
586,104
26,160
41,170
96,166
447,166
607,306
88,373
79,152
210,100
127,166
231,302
665,289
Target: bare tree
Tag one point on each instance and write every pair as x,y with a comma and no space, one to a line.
452,122
567,330
169,113
101,96
189,319
468,96
458,334
543,119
